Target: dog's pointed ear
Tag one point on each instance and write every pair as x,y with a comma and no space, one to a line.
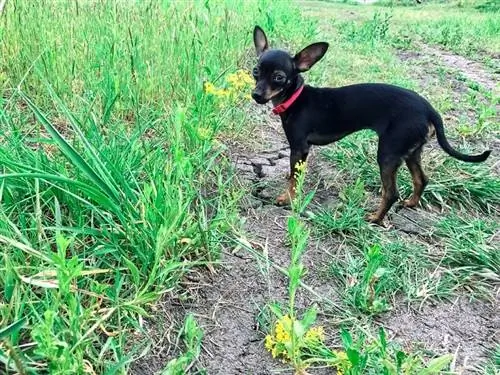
260,40
309,56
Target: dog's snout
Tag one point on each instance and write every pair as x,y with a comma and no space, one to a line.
259,97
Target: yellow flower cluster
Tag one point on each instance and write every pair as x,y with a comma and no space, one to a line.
300,166
315,335
240,79
237,86
283,326
279,343
212,90
343,364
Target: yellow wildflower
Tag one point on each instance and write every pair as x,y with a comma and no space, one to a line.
239,79
300,166
315,334
269,343
234,80
341,356
343,363
283,327
245,77
209,88
274,352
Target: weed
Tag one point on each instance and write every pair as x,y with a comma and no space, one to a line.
366,294
300,343
375,355
372,32
469,250
191,336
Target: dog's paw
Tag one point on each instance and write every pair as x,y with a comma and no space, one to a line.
410,203
283,199
374,219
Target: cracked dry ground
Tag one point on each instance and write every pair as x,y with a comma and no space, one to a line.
227,300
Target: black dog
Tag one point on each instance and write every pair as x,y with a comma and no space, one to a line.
403,120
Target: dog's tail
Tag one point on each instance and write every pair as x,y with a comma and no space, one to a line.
436,120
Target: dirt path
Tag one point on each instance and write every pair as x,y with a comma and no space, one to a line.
472,70
424,62
467,329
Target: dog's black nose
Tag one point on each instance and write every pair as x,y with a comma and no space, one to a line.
258,97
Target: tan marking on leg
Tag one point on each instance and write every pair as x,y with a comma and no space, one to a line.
389,194
418,177
431,131
289,194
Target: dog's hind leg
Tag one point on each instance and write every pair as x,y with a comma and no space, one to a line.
389,163
420,180
388,172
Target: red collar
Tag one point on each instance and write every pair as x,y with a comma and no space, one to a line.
280,108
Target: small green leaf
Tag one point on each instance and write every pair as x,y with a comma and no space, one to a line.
276,310
309,318
134,271
383,340
353,356
12,328
437,364
346,338
400,359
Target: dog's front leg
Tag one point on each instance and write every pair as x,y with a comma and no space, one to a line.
297,156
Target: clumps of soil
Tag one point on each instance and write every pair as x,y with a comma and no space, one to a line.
468,329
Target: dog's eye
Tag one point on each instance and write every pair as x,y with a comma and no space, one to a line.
255,72
279,78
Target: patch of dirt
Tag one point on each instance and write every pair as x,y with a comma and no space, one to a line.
472,70
467,329
424,71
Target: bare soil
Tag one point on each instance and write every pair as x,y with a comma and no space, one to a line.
467,329
423,71
472,70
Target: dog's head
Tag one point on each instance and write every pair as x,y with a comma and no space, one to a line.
277,70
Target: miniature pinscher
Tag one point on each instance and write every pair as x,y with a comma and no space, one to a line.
403,120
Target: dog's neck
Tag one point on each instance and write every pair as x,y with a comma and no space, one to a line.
298,81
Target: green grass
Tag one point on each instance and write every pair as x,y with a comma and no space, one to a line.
112,182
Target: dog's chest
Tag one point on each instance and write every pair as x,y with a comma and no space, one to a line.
321,139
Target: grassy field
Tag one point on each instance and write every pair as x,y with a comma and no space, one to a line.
112,182
116,178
